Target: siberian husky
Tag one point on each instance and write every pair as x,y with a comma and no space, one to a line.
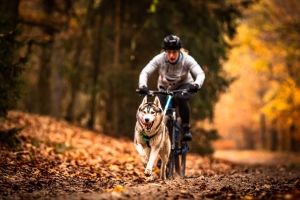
151,136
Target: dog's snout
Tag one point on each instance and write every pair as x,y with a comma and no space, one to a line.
147,120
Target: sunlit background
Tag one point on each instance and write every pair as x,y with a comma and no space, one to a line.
260,110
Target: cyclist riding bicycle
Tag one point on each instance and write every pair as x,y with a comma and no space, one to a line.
175,69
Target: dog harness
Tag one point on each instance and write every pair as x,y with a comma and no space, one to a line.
147,138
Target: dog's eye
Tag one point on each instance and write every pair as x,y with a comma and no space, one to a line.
152,112
144,112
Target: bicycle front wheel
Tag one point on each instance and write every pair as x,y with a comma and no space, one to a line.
184,148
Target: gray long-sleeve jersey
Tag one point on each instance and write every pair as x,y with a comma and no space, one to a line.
173,75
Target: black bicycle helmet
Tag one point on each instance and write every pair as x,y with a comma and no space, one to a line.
171,42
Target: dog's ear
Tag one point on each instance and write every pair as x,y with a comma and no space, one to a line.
144,100
157,102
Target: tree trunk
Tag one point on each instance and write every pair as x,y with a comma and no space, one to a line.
97,47
44,82
44,85
76,66
8,15
293,139
116,103
58,87
9,72
262,120
74,83
274,135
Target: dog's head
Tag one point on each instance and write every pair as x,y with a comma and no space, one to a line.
149,114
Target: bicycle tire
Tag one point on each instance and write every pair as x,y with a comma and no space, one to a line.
177,159
176,165
183,164
170,165
180,159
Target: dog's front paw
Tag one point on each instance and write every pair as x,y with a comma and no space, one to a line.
148,172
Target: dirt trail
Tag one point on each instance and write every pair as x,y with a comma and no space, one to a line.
265,179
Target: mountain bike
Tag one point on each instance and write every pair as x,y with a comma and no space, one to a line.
179,147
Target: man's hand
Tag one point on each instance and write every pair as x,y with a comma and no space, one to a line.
144,90
194,88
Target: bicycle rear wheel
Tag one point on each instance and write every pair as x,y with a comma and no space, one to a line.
177,159
184,149
171,165
177,165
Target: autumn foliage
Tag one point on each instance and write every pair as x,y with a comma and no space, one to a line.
54,153
263,105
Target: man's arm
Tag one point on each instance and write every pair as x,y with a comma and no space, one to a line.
147,72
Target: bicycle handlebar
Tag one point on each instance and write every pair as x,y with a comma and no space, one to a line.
167,92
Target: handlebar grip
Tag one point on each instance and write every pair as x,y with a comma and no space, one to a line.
138,91
171,92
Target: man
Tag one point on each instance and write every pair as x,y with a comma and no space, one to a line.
175,69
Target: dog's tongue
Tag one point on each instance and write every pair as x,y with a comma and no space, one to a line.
148,125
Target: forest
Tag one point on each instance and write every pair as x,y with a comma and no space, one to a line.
80,60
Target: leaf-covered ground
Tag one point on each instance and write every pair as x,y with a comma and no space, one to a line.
57,160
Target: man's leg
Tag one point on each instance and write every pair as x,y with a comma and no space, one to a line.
182,102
